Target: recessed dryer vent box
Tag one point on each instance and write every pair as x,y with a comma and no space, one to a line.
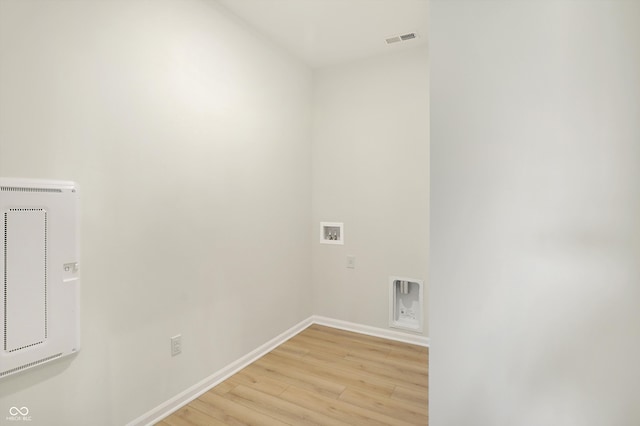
405,303
331,233
39,273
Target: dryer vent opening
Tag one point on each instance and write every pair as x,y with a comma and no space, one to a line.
405,303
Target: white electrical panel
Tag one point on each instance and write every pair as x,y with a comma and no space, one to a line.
39,273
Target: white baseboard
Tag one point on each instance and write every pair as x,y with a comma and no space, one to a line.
371,331
183,398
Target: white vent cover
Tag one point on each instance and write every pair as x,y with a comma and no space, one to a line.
401,37
39,279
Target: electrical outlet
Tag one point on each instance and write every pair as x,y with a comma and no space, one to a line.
176,345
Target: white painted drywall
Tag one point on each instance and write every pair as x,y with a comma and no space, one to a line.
370,171
535,218
190,138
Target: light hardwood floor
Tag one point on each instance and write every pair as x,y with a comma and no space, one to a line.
322,376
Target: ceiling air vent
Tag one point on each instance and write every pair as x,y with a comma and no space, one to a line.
401,37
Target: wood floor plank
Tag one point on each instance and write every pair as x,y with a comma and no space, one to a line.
343,376
259,382
281,409
232,412
409,412
338,409
379,374
322,376
420,367
291,350
224,387
317,346
402,393
391,372
379,342
362,350
190,416
299,377
174,420
347,343
350,336
420,358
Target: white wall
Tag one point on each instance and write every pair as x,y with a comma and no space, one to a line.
190,138
370,171
535,218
